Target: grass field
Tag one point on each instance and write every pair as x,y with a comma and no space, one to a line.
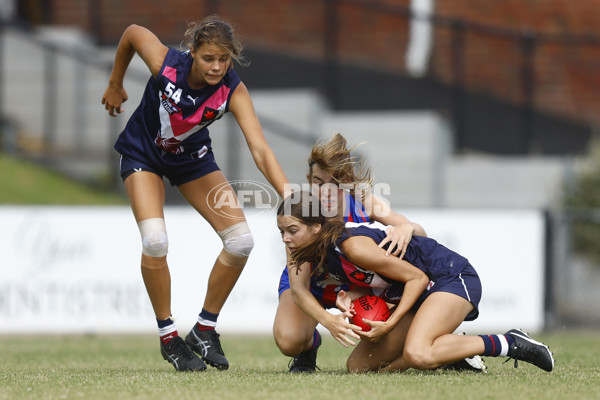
130,367
24,182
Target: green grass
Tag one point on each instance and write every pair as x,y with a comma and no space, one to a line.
24,182
130,367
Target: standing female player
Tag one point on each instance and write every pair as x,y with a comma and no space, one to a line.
435,290
331,167
167,136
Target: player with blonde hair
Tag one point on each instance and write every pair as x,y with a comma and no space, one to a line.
342,182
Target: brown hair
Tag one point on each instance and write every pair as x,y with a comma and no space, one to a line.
336,158
215,31
306,208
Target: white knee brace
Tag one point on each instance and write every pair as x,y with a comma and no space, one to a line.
155,242
237,241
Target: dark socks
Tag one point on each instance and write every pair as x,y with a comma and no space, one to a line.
496,345
316,340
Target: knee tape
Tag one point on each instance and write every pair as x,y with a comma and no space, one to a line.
155,242
237,242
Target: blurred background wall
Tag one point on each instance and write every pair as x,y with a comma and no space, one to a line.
534,54
461,104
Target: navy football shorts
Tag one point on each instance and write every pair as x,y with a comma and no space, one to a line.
467,285
179,169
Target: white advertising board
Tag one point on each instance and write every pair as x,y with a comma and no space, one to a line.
77,269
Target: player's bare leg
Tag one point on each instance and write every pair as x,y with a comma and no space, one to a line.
293,330
430,342
146,194
157,280
227,268
296,335
221,281
223,277
376,356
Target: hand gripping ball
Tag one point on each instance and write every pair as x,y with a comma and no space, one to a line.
369,307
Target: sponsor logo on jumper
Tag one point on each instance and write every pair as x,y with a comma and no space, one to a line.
193,99
168,104
209,115
170,145
362,276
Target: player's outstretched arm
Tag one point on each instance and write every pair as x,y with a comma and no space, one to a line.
135,39
242,108
337,325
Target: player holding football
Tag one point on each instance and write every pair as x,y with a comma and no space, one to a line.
167,136
434,289
331,164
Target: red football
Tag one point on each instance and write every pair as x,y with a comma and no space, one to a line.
369,307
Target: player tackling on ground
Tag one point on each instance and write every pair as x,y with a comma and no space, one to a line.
331,167
434,289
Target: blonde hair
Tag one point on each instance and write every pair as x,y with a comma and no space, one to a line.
334,157
215,31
